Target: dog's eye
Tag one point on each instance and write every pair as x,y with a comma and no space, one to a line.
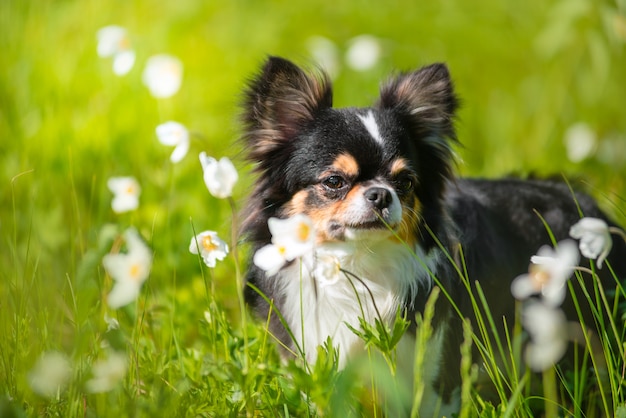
404,184
334,182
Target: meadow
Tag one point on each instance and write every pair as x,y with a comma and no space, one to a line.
543,89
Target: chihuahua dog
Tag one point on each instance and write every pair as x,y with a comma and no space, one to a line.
379,187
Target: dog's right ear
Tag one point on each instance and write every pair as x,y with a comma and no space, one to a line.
279,102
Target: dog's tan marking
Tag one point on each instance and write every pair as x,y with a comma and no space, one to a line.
297,204
410,222
398,165
346,164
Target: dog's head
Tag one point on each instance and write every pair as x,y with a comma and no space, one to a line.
358,173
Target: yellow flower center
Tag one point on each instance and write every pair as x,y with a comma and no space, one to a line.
539,277
171,68
134,271
281,249
303,231
123,43
130,189
208,244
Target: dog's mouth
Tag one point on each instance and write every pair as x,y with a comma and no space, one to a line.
378,224
360,230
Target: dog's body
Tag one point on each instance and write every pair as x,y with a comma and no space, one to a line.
378,185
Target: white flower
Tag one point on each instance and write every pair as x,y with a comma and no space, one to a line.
207,317
219,176
129,270
580,142
176,135
547,328
107,373
126,192
163,75
291,238
123,62
112,323
363,53
595,238
113,42
270,258
296,234
327,269
50,374
548,273
211,247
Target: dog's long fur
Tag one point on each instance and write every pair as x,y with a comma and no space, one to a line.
379,186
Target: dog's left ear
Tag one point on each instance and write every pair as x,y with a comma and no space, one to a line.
426,97
424,101
279,103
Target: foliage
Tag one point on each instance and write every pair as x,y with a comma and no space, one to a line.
527,73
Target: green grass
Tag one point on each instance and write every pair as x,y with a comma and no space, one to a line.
526,72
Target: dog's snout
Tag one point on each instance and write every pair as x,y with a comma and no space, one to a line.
379,197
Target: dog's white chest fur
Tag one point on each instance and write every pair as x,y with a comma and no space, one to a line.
385,276
388,275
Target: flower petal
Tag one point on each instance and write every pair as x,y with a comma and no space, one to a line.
172,133
548,333
212,248
219,176
50,374
111,40
107,373
269,259
595,238
296,234
179,152
363,53
163,75
123,62
522,287
124,203
123,293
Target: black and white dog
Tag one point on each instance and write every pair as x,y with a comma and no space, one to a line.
378,185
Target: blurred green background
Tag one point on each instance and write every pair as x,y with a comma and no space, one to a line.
527,72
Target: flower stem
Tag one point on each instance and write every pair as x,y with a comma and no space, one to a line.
550,393
618,231
239,279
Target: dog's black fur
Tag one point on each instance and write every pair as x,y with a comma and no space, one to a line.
403,149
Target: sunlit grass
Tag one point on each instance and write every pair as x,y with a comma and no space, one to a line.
526,73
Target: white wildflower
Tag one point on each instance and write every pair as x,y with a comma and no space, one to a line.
176,135
126,191
129,270
548,273
270,258
107,373
51,374
595,238
163,75
113,42
219,176
291,238
580,142
547,327
327,269
363,53
212,248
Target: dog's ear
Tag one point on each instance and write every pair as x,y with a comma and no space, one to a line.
426,97
425,103
279,102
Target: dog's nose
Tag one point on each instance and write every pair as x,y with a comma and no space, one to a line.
380,198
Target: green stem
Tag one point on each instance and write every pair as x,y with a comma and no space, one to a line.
239,279
550,393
